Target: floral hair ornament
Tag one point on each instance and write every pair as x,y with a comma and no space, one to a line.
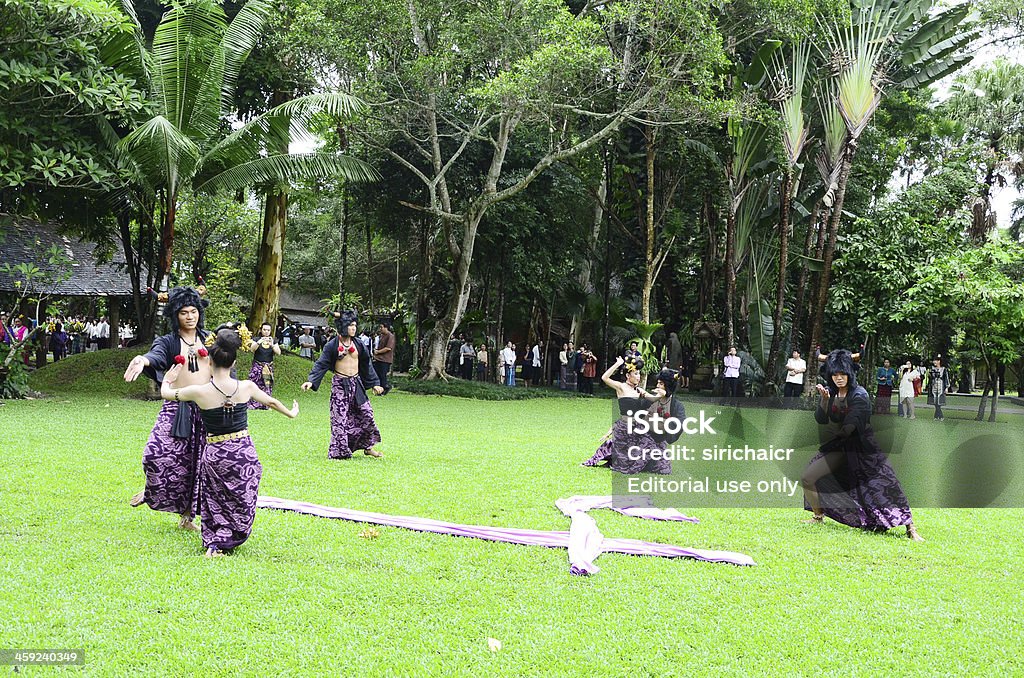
634,364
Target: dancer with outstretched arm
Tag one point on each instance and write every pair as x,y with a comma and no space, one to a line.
171,455
624,450
229,470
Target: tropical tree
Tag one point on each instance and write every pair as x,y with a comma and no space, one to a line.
789,78
989,102
978,291
187,145
882,41
53,88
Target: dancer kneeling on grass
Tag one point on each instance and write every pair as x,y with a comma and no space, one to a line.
229,470
262,373
352,424
621,450
850,479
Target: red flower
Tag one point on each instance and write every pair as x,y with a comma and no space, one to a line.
203,353
179,359
351,349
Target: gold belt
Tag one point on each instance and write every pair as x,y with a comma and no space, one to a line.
244,433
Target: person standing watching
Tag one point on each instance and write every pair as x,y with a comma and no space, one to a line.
466,355
384,355
795,368
508,361
731,376
481,363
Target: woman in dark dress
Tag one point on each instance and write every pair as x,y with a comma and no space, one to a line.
622,451
262,373
229,470
850,479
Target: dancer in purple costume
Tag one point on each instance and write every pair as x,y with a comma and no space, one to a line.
229,470
622,451
352,424
262,372
172,452
850,479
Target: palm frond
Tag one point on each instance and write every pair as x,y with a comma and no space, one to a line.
240,37
186,41
789,80
125,50
285,168
283,124
166,157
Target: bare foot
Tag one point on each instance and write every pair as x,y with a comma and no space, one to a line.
186,524
138,500
373,453
816,519
912,534
214,553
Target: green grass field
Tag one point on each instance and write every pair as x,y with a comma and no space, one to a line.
307,596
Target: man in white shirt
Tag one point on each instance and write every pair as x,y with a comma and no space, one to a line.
91,335
536,373
103,333
795,368
508,361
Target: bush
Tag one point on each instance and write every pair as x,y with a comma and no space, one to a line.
478,390
13,381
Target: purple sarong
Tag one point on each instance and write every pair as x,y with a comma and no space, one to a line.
170,463
352,424
629,453
863,493
583,540
229,480
256,377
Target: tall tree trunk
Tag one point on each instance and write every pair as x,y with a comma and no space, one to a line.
369,264
266,305
343,227
798,309
586,266
780,291
650,135
166,243
984,399
423,287
437,348
730,274
709,277
114,313
133,265
826,273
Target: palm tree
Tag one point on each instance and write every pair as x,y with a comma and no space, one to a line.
789,79
187,145
860,57
989,102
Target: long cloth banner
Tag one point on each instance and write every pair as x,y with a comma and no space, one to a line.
583,540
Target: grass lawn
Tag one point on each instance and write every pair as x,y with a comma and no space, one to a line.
306,595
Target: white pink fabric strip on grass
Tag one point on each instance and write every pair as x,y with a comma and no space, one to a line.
583,541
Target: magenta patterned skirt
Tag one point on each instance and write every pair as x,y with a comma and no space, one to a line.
229,481
170,463
352,424
256,377
629,453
